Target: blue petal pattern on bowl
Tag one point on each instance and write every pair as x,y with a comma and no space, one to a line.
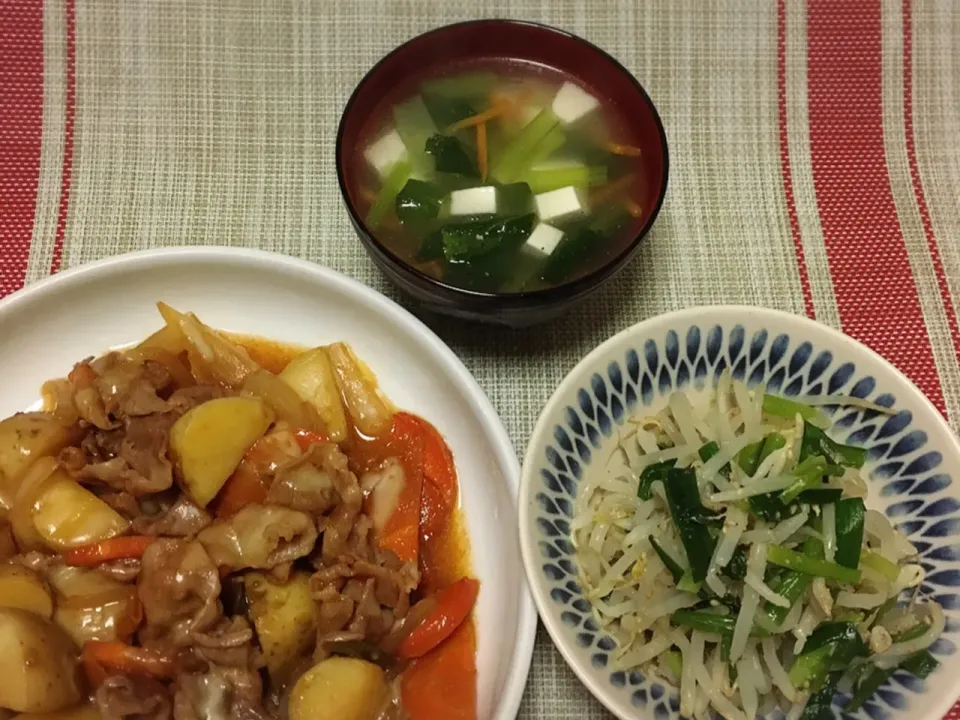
904,474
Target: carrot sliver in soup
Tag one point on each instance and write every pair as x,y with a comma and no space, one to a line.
494,111
482,150
442,685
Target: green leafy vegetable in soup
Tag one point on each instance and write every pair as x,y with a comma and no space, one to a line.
502,179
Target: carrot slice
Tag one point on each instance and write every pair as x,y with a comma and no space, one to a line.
482,150
101,658
119,548
401,534
633,208
443,684
494,111
624,150
454,604
440,488
244,487
306,438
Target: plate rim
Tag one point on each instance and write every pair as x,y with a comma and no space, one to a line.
540,429
508,703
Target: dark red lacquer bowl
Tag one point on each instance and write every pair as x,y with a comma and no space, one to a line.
476,41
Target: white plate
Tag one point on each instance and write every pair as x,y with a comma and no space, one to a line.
47,327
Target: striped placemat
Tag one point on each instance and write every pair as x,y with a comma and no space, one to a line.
815,165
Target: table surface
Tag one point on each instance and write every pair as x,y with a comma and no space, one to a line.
815,166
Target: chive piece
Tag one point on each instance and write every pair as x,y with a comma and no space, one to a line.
816,442
779,555
920,664
911,633
809,474
768,506
820,496
818,706
793,583
674,661
832,643
850,515
726,643
749,457
392,185
848,615
672,565
787,409
752,455
708,451
878,563
704,621
867,688
689,515
687,583
736,569
651,474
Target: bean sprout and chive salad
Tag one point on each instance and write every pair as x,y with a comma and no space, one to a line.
730,552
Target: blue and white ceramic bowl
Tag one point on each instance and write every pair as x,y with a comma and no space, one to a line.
913,471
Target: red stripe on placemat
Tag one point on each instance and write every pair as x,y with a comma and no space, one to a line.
949,310
21,133
873,283
71,103
785,158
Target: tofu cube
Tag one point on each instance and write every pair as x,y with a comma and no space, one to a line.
559,204
544,239
474,201
386,152
573,102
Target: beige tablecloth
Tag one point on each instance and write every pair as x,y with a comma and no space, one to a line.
815,165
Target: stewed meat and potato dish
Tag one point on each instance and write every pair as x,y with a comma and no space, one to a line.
205,526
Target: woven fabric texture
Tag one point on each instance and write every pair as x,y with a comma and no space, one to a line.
815,166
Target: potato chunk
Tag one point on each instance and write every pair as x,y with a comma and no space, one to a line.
22,588
209,442
66,514
285,617
37,664
339,688
24,438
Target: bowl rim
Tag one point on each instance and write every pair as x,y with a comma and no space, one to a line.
574,377
548,295
508,703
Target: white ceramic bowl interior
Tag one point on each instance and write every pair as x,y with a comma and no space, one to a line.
49,326
913,463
